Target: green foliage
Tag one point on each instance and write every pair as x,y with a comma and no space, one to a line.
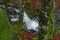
50,31
35,38
19,27
6,31
44,20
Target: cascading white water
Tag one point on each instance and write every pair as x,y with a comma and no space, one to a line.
14,17
30,23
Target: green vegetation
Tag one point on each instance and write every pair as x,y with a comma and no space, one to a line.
50,31
6,31
47,8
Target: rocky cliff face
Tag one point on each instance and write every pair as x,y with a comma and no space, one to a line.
57,18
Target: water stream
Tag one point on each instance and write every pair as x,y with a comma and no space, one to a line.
31,24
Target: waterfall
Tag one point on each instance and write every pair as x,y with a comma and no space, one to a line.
30,23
